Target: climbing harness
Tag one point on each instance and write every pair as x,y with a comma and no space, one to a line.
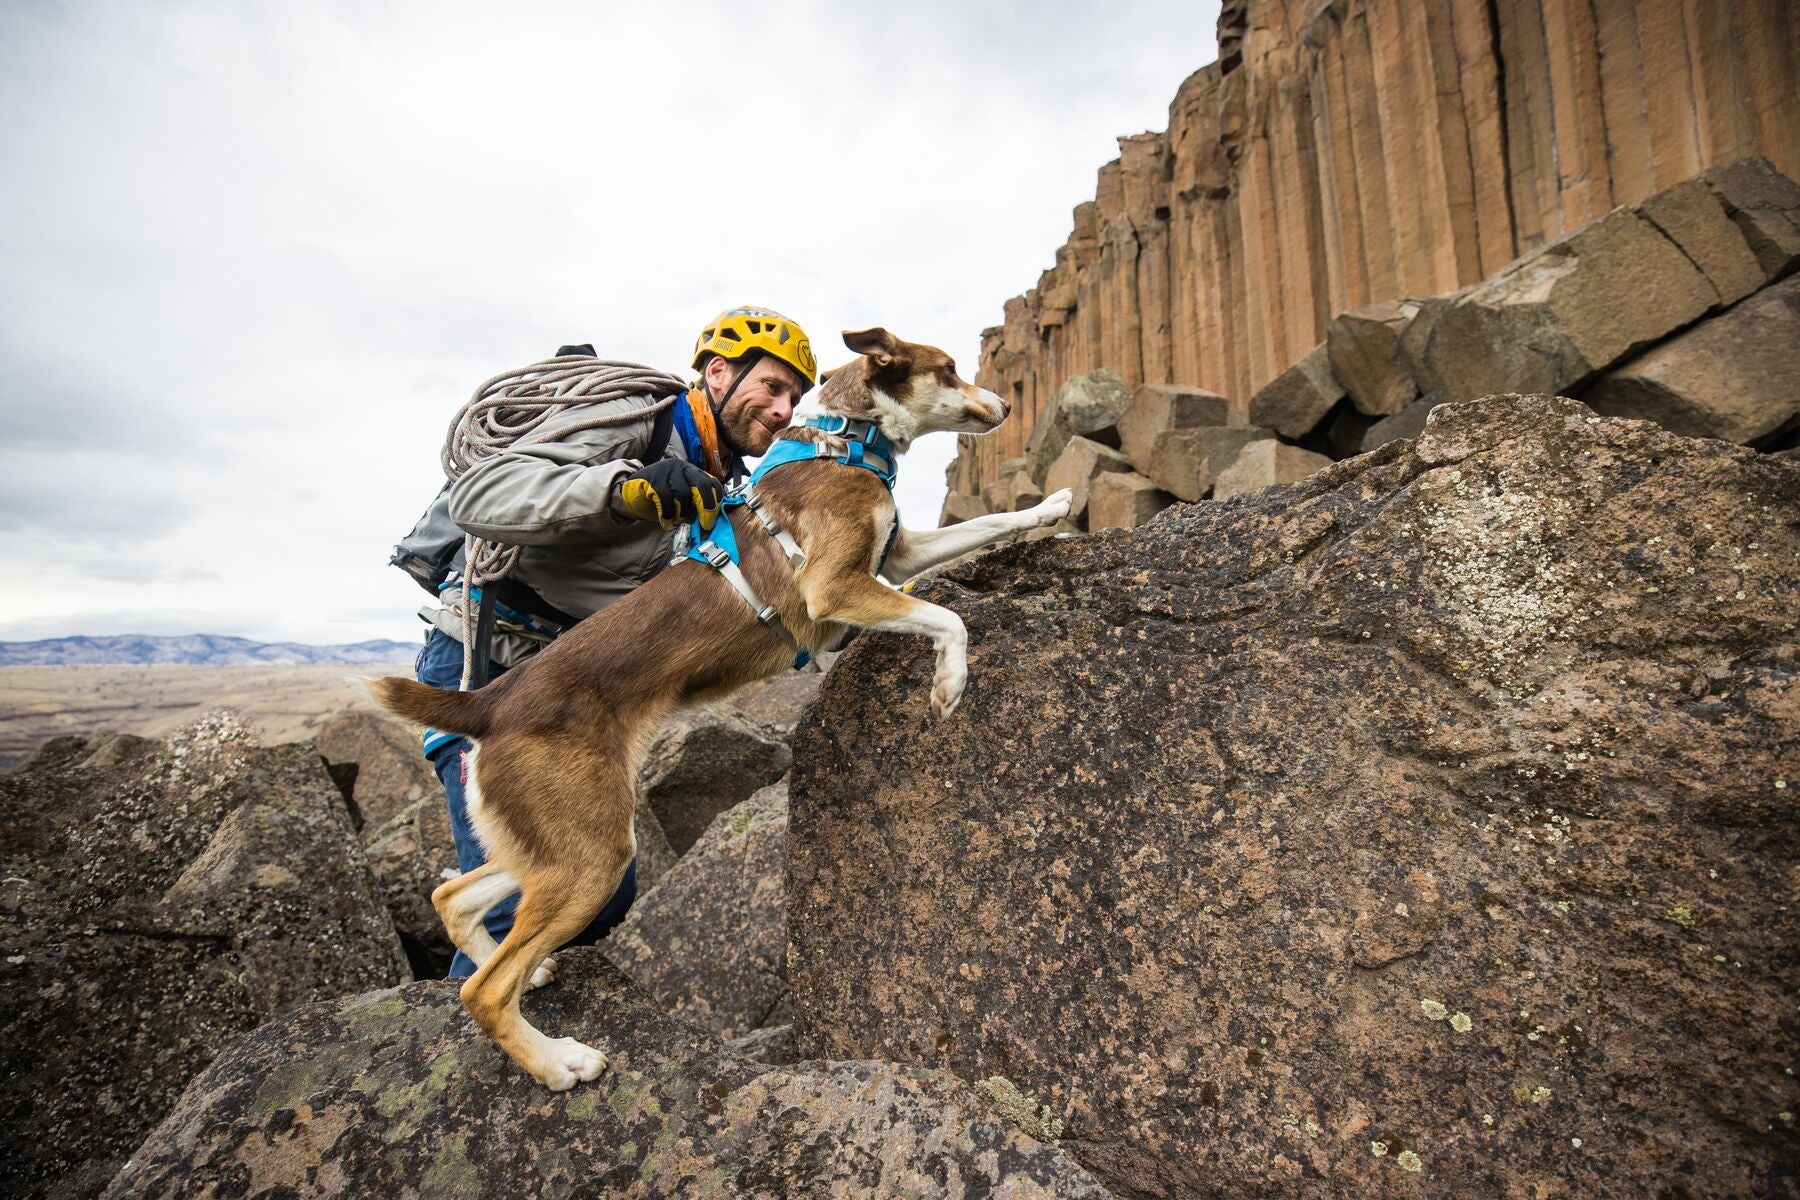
864,445
508,407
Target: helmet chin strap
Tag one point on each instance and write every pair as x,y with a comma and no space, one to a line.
719,408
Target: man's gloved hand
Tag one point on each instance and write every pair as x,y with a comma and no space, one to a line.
671,492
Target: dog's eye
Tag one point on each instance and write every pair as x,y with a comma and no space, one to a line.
950,367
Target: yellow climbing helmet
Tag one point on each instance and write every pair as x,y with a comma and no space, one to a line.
739,331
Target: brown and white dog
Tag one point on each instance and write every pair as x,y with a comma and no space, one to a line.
559,739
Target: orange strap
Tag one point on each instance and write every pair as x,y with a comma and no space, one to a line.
712,461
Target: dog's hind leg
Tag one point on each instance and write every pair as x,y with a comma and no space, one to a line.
462,902
558,904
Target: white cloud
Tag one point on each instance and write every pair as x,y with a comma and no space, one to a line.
256,255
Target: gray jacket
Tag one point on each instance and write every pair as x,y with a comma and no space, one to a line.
554,499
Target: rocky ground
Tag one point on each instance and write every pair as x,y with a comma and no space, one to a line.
1423,828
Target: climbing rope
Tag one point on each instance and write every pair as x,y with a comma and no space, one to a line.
517,403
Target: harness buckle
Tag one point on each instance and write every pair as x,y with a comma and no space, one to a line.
714,554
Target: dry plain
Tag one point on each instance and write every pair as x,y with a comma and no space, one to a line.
283,703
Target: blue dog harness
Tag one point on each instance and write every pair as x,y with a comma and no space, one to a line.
865,446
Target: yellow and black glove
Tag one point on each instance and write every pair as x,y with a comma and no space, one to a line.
671,492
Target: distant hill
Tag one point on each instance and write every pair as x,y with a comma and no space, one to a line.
197,650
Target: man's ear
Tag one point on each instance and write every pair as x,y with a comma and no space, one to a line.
877,343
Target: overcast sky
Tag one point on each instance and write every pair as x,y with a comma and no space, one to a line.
254,256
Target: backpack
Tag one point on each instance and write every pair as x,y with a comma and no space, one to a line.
430,552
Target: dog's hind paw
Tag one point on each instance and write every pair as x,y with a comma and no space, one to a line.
570,1061
544,975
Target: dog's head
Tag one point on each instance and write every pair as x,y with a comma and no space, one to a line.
906,388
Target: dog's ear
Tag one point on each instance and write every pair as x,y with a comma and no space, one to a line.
877,343
825,374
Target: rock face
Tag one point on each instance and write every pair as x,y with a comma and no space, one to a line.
158,900
408,858
1356,152
391,773
397,1093
710,943
1424,828
1732,377
701,764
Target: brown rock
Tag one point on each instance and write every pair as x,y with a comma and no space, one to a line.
997,495
711,943
391,773
959,508
1187,461
408,859
398,1093
1765,206
1556,317
1081,461
1157,408
1025,493
1736,376
1299,397
158,900
1409,422
1124,500
702,763
1363,348
1693,216
1246,837
1087,406
1266,463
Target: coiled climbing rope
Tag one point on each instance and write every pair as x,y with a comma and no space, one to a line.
517,403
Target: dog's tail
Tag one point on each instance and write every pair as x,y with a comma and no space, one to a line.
453,712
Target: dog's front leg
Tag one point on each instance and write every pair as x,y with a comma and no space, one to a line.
866,602
917,550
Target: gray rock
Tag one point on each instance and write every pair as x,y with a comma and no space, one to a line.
1124,500
702,763
1298,398
1452,782
391,773
1264,464
1082,461
398,1093
1735,376
1159,408
1187,461
1087,406
1364,351
159,899
710,944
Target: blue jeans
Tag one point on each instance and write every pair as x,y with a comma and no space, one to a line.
440,664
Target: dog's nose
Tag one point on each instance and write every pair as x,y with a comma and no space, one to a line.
998,401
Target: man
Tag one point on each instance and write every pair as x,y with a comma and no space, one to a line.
595,514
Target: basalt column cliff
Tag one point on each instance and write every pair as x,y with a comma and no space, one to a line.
1348,153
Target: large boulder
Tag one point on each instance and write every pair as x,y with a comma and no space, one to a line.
408,858
1088,406
1298,398
391,774
1124,500
1424,828
1186,462
1080,464
1365,356
1264,464
158,899
1557,317
703,762
397,1093
710,943
1736,376
1158,409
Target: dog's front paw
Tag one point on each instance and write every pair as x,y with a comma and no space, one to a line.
569,1062
544,975
946,692
1054,507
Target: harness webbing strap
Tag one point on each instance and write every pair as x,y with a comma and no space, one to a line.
865,446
